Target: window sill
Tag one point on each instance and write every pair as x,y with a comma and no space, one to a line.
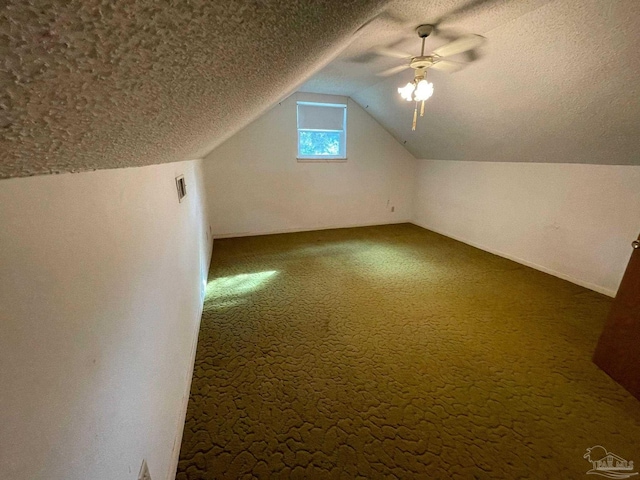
321,160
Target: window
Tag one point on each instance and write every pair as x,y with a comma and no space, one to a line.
322,131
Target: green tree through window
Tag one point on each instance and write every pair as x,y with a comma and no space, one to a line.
319,143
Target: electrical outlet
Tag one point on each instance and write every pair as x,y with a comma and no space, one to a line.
144,471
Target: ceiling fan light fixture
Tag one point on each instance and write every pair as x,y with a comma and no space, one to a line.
406,92
416,91
423,91
420,90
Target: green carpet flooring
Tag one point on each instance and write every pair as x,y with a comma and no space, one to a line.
394,352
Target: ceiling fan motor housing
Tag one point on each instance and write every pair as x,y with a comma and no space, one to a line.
424,31
421,62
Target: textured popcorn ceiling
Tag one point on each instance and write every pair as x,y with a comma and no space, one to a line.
98,84
90,84
556,81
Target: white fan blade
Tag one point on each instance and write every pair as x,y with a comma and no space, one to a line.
390,52
460,45
448,66
392,71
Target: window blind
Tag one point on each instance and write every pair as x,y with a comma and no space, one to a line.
320,117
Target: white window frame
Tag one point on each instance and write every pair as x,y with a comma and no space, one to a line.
342,156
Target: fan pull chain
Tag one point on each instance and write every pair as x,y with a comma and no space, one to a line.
415,117
425,77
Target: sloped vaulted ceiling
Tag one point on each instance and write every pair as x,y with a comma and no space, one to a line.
89,84
556,81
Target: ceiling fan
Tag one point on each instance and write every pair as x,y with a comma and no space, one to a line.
420,89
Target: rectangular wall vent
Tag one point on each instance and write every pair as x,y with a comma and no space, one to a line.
182,187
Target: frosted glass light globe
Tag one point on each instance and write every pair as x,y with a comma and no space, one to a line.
407,91
423,91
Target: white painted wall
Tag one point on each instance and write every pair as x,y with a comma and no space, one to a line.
101,276
574,221
255,184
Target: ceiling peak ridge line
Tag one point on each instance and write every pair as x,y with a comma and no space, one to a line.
515,19
346,40
375,119
270,104
381,11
